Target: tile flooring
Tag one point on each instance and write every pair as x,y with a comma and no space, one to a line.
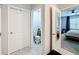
25,51
70,45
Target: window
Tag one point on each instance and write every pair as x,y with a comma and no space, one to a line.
74,23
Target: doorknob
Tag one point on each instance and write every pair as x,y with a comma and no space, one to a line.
53,34
0,33
11,32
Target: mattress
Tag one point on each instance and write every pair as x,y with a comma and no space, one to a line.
73,34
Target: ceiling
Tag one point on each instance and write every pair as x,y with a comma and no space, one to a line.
65,6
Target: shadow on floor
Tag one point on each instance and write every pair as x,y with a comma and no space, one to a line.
53,52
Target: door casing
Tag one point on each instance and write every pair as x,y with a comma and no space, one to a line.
56,44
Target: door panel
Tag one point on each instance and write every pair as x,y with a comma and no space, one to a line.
55,42
15,30
0,30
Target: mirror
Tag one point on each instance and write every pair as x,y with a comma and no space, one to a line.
70,30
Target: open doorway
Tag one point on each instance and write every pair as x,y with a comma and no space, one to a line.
70,29
36,39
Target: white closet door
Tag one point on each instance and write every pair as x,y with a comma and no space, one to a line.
18,29
14,30
0,30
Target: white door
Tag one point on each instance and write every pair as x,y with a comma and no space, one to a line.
56,43
0,30
18,29
14,30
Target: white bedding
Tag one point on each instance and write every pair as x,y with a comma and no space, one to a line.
73,33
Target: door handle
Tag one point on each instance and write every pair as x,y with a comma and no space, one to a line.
11,32
53,34
0,34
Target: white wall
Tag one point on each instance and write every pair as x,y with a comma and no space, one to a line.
47,29
4,29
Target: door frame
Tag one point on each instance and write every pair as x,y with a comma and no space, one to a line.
56,44
62,50
1,30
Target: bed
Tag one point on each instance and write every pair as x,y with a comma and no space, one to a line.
72,34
